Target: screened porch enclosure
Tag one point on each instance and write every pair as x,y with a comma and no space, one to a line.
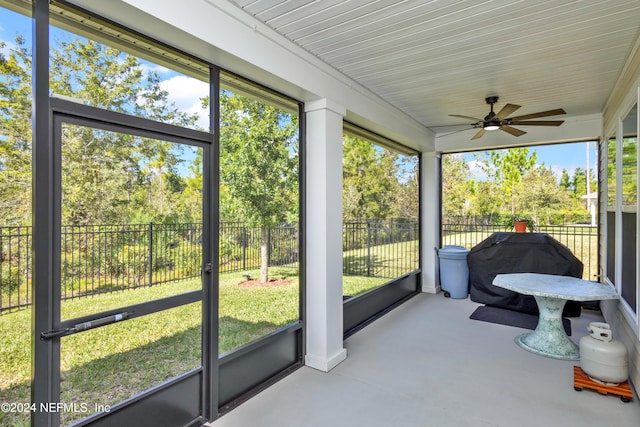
229,213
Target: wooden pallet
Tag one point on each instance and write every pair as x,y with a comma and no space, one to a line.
582,380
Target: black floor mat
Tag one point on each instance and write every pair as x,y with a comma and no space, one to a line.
503,316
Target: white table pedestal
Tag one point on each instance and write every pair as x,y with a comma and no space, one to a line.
549,339
551,293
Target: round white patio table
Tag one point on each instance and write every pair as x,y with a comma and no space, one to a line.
551,293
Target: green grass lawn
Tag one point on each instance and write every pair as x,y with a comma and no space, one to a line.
390,260
358,285
109,364
247,313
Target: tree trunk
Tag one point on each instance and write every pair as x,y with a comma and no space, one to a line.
264,255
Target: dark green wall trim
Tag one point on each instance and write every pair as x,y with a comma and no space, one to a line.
252,368
170,404
366,308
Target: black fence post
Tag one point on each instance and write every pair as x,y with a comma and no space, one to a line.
269,247
244,247
368,248
150,253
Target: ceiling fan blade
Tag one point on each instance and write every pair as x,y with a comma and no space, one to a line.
512,131
450,126
538,123
465,117
506,111
555,112
479,134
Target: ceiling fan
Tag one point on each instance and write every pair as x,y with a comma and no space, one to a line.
499,120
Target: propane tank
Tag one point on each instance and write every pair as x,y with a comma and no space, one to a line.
602,358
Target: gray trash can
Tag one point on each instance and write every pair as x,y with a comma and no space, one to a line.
454,272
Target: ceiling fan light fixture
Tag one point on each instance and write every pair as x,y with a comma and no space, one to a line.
491,125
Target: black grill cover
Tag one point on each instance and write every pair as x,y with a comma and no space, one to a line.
518,253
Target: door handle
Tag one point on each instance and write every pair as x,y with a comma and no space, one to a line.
102,321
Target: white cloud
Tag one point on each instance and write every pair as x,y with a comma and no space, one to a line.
476,171
186,93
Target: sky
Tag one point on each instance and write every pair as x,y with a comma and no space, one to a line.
557,157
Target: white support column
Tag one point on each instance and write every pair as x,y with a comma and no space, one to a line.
324,235
430,230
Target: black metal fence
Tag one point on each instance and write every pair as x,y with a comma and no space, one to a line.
240,246
100,258
385,249
107,258
578,235
15,267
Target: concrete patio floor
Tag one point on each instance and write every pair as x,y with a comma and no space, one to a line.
427,364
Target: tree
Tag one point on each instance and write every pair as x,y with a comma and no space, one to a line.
629,172
541,194
612,176
456,190
507,168
565,181
15,136
258,165
407,198
370,180
189,206
485,198
578,184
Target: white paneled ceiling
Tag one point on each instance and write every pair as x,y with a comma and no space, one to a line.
440,57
